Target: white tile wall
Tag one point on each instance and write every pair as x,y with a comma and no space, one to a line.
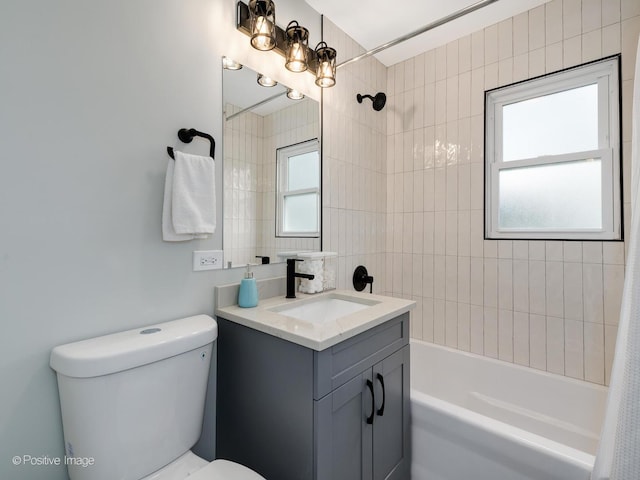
359,179
521,338
549,305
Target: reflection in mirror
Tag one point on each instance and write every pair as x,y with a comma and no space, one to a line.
298,190
258,123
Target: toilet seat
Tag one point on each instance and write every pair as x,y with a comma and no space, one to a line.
225,470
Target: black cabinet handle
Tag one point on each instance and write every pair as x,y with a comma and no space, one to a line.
373,402
380,378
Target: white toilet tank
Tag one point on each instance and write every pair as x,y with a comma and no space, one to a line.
133,401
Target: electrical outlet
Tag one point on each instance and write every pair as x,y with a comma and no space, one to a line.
207,260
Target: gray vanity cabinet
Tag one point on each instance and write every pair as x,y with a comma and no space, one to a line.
293,413
345,441
361,439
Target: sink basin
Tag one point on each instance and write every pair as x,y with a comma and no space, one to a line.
324,309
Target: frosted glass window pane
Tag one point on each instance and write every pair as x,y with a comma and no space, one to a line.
304,171
560,196
562,122
301,213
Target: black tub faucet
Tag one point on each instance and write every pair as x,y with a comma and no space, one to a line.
292,274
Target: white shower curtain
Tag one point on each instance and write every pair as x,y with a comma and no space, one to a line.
618,456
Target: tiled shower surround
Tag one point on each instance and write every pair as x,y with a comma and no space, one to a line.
551,305
354,165
403,192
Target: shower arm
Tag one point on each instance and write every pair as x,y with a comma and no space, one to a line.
415,33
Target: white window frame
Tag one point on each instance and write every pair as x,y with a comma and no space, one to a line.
282,156
605,73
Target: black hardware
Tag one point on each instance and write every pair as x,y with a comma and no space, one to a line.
380,378
292,274
186,136
373,402
378,101
264,260
360,279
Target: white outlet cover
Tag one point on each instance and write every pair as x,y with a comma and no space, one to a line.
207,260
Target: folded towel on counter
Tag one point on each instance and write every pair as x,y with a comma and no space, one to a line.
189,209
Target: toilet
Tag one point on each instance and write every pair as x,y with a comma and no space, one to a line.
133,402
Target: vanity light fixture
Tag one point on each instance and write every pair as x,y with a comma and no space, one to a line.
293,94
326,70
257,20
297,47
266,81
262,15
229,64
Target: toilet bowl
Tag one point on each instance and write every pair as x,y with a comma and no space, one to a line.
134,403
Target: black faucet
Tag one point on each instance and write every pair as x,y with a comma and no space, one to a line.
292,274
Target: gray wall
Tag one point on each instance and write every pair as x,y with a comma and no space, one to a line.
91,93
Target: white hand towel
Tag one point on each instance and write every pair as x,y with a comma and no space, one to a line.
169,233
194,197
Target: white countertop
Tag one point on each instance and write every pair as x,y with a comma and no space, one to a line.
318,336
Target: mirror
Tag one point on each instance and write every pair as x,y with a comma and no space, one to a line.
271,172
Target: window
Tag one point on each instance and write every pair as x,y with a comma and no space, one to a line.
298,196
552,156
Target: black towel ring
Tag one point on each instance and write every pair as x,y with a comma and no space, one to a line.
186,136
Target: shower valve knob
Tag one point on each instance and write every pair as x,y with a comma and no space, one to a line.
361,278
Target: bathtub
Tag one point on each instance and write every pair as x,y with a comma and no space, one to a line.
474,417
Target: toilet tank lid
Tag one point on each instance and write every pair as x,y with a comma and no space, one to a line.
124,350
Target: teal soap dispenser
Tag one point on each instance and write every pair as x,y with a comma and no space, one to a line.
248,293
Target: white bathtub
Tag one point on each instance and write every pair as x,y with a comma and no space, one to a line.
478,418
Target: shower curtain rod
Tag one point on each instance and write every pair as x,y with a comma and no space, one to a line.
256,105
426,28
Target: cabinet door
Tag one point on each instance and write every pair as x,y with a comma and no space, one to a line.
343,436
391,431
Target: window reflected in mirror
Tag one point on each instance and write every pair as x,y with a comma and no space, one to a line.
298,195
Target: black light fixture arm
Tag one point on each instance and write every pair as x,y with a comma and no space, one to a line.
186,135
360,97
